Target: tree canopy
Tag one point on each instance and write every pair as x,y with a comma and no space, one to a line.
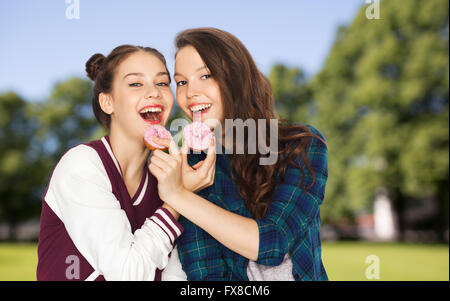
381,100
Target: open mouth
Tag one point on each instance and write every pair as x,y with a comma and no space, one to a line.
199,109
152,114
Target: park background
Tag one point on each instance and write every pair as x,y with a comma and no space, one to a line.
372,76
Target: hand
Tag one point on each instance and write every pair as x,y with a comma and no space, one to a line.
200,175
167,170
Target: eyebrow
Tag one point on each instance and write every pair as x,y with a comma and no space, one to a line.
197,70
134,73
142,74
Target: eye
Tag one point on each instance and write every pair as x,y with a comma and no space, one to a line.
135,85
181,83
162,84
206,76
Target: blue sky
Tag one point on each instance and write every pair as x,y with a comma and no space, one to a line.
39,45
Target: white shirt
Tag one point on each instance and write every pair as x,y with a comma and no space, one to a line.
80,194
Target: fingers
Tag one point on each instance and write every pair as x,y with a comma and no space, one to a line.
165,161
164,156
173,149
184,152
162,141
185,147
170,144
211,155
203,170
160,163
212,146
157,171
207,167
198,165
211,172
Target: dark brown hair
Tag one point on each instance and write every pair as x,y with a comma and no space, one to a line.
101,70
247,94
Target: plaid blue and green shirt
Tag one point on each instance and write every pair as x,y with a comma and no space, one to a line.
290,226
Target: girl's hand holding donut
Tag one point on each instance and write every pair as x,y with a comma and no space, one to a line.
167,170
200,175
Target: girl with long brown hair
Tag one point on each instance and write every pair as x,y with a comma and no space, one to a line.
256,221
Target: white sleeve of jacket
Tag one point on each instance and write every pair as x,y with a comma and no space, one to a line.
173,270
80,194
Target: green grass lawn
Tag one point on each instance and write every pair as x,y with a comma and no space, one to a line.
342,260
409,262
18,261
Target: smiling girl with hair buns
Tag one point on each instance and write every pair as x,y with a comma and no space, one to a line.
102,217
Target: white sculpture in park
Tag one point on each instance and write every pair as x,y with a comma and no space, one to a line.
384,219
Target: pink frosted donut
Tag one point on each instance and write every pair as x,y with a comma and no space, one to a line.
198,135
157,131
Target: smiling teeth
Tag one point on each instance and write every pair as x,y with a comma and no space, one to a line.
200,107
148,110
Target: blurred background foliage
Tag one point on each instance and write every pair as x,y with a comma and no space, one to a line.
381,101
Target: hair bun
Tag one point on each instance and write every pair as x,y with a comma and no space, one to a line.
93,65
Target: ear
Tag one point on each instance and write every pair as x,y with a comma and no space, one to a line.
106,103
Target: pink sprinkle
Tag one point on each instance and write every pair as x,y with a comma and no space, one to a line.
156,131
198,135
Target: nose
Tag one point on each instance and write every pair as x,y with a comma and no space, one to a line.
152,92
192,90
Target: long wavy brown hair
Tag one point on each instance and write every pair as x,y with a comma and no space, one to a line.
247,94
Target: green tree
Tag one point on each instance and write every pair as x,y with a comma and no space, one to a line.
20,167
382,103
33,136
66,118
292,95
